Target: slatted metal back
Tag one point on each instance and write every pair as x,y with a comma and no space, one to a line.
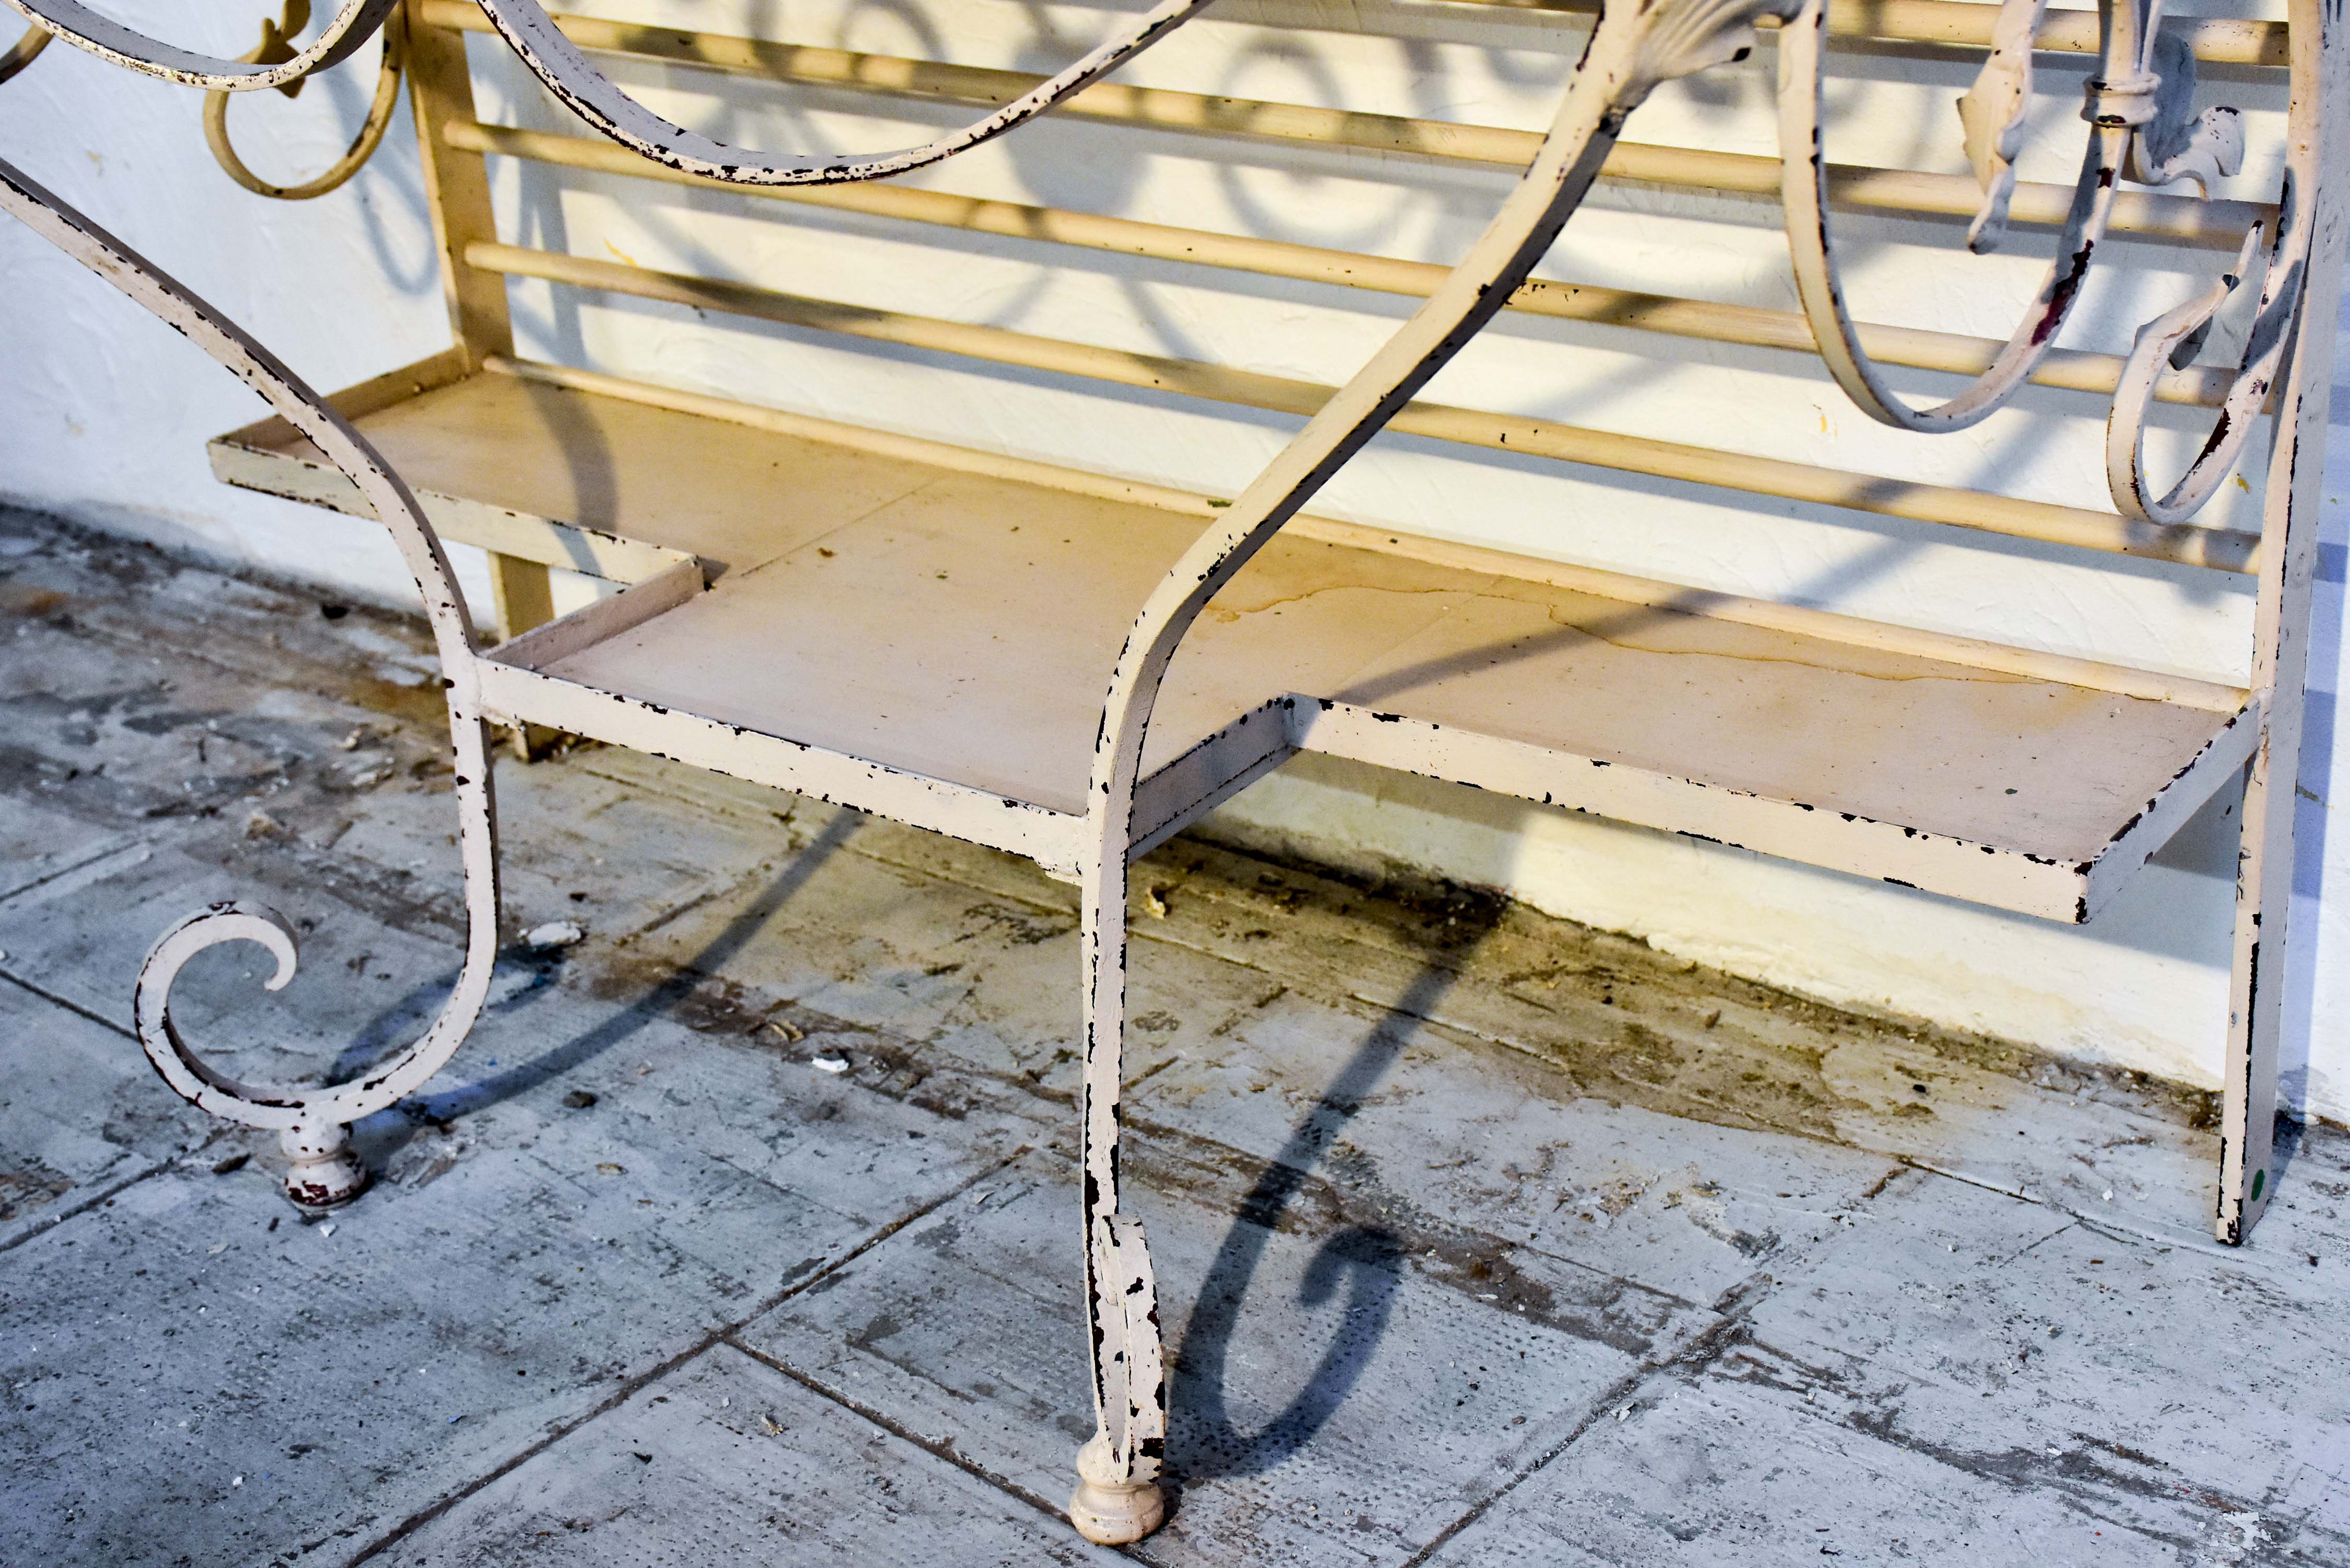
1163,278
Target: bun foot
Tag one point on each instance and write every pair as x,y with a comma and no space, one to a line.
1110,1510
322,1171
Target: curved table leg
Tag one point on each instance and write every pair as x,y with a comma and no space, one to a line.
1117,1500
310,1122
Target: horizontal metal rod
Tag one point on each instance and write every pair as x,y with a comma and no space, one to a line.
2219,224
1967,24
1696,318
2010,516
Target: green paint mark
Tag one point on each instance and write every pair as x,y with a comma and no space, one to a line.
2260,1181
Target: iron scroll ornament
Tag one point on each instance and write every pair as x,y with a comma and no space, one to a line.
2172,339
310,1121
274,49
127,46
2138,107
558,63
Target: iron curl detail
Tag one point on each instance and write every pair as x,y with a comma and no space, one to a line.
274,49
2137,107
2171,341
311,1122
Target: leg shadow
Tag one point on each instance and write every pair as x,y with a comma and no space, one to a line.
382,1135
1367,1260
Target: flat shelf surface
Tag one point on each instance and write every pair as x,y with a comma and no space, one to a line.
733,496
963,627
967,631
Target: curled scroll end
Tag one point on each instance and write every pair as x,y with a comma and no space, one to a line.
363,144
186,1073
1989,230
233,921
2177,143
2173,339
2209,305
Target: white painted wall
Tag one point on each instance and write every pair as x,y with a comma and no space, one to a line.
103,417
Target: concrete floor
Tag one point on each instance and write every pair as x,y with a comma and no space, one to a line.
1482,1238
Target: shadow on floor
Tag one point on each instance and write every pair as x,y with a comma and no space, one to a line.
1366,1260
524,975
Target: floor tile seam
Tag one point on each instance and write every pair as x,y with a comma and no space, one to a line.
608,763
49,1223
1356,1005
768,1189
1019,1095
630,1387
1737,1306
1348,1001
1700,1349
1136,933
764,867
1200,1147
1295,984
80,809
2066,1492
1454,973
89,856
1227,1155
906,864
2117,1228
1460,972
142,641
1883,1150
1686,1362
1139,935
1026,1093
1016,1097
947,1452
1184,1143
69,1005
1696,1110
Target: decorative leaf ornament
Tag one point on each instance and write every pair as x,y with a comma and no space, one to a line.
1991,113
